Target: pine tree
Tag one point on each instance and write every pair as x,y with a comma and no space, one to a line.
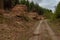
22,1
31,6
57,12
16,1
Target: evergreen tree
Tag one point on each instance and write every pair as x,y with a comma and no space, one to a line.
57,12
16,1
39,9
23,1
48,13
31,6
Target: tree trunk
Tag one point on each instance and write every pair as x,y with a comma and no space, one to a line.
1,4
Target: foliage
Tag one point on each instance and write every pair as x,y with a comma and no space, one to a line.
39,9
14,2
8,4
48,13
57,12
32,6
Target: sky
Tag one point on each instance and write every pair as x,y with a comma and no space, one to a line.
49,4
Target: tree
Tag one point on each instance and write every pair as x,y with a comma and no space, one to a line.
48,13
1,4
57,12
7,4
16,1
39,9
31,6
22,1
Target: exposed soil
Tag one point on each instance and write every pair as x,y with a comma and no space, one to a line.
43,32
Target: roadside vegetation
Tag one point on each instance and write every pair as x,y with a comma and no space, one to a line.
55,20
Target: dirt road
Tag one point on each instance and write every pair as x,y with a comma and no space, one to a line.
43,32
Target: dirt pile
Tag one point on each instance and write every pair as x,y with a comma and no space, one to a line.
2,11
16,24
19,9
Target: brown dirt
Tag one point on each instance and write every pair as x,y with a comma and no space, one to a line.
55,25
15,24
43,32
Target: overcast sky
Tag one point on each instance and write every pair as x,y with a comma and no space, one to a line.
50,4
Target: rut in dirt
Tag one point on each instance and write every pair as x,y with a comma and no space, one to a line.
43,32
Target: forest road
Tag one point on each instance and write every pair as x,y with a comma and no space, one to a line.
43,32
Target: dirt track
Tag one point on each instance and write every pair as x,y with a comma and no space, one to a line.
43,32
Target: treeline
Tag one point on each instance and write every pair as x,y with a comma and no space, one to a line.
57,11
33,7
53,16
42,11
56,14
36,8
8,4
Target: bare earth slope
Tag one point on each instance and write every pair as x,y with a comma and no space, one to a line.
15,24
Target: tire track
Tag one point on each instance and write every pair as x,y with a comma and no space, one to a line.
43,32
37,32
50,31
